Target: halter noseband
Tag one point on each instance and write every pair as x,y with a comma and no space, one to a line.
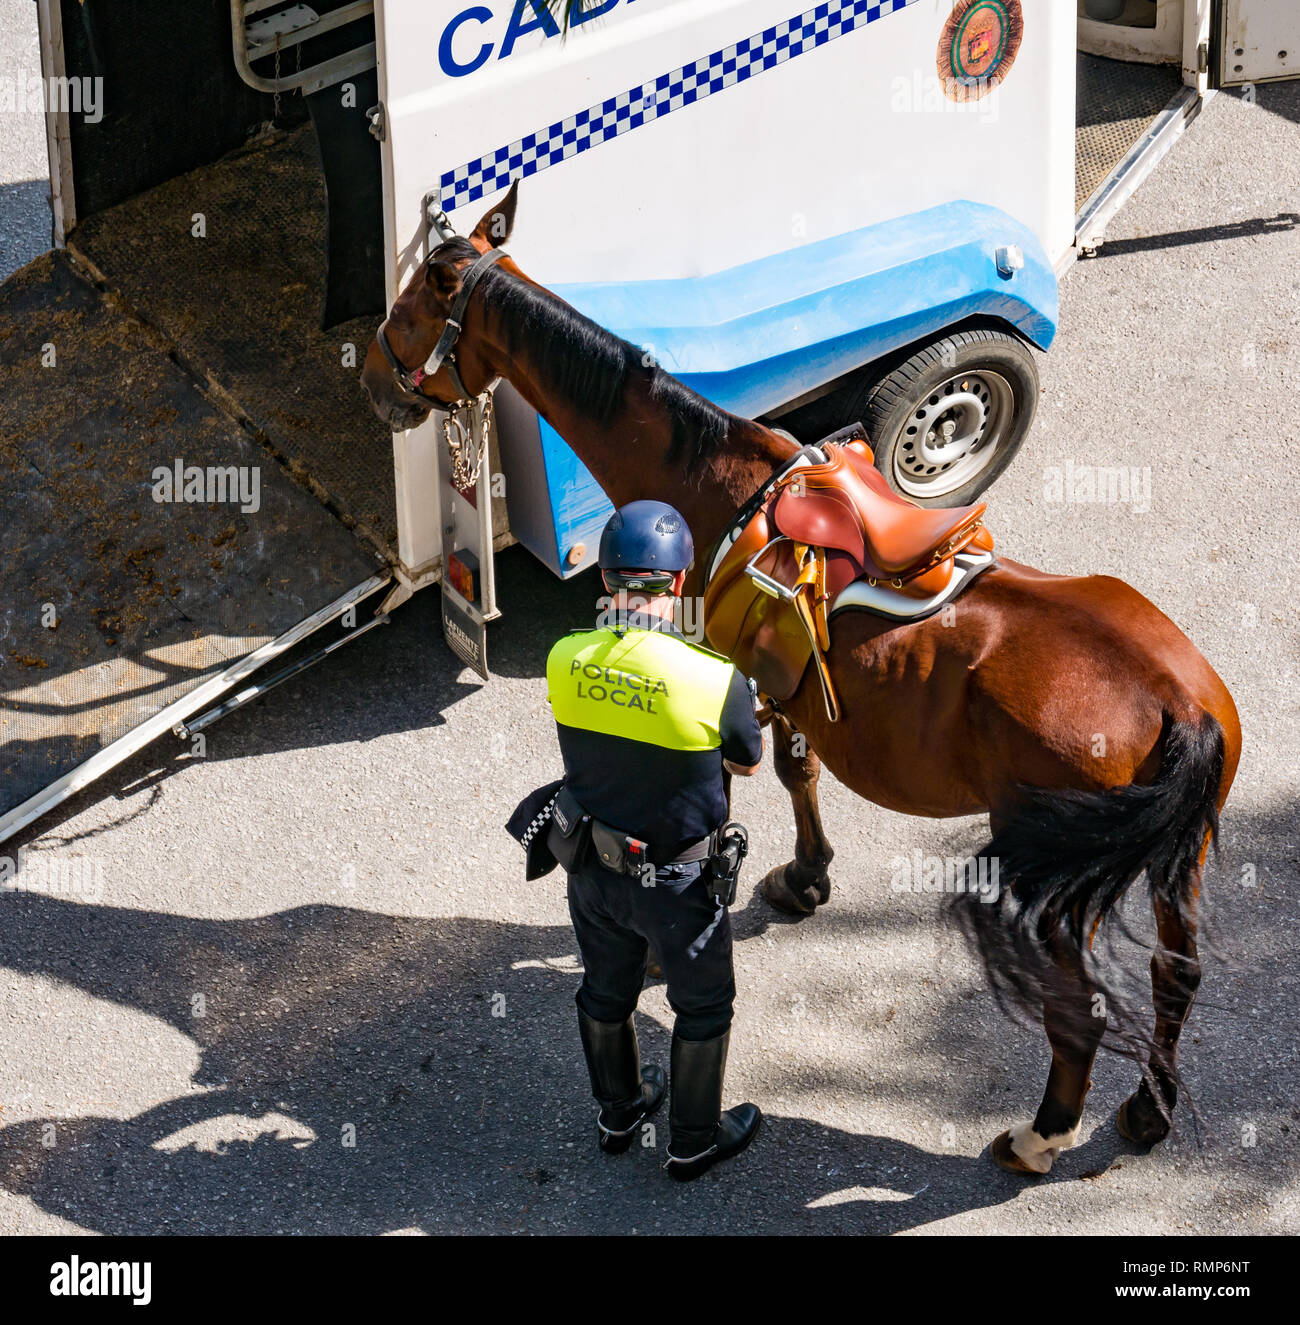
409,379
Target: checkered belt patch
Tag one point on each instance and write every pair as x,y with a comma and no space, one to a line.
659,97
539,821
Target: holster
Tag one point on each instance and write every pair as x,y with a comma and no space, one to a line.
732,843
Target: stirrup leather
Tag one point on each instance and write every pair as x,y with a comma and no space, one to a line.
811,602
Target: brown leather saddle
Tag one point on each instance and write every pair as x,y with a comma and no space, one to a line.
826,535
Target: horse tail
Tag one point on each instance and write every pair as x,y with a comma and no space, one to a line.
1064,859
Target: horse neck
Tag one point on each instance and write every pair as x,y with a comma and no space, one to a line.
628,455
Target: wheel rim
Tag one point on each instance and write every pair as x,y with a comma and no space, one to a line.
954,434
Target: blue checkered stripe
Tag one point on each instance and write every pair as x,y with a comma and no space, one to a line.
651,101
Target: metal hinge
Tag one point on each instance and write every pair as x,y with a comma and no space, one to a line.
378,121
1203,58
436,219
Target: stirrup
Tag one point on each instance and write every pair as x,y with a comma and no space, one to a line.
812,619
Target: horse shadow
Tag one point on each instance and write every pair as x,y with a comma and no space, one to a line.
367,1073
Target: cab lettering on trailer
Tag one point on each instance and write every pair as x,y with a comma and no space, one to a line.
458,55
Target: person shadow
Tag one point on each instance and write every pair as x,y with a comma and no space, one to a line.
368,1073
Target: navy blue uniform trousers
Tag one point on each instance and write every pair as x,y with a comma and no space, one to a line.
617,918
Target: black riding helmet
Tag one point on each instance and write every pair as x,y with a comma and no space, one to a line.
644,546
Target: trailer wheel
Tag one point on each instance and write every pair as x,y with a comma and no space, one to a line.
946,422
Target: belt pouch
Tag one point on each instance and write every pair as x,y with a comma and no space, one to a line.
570,831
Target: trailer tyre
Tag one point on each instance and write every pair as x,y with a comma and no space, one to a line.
947,421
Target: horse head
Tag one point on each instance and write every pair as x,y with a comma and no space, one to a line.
398,376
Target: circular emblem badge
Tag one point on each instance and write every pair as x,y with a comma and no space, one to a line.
980,42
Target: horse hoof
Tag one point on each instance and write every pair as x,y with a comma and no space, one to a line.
1006,1158
779,895
1139,1121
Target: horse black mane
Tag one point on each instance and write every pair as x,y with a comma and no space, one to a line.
591,368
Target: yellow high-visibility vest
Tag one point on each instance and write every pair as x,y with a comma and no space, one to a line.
645,685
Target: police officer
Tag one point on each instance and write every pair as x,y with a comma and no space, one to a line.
647,723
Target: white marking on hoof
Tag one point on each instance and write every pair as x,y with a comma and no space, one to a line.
1039,1152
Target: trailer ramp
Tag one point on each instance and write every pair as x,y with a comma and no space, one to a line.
121,612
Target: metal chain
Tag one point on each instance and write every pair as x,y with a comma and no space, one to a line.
297,70
466,450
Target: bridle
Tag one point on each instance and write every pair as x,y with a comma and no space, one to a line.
409,380
466,421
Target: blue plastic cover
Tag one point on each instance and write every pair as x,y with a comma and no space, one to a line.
764,333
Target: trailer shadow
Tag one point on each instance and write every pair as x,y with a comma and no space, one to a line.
1281,98
353,1077
1213,234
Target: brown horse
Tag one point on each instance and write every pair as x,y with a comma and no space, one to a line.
1099,741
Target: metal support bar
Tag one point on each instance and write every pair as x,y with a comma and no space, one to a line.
58,140
311,79
187,729
259,50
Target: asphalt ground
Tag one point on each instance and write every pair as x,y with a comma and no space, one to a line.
24,182
301,986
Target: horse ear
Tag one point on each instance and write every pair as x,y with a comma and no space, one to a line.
443,279
496,226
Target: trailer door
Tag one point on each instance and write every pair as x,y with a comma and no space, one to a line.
1259,42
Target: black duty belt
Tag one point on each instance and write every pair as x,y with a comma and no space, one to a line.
572,828
624,854
701,850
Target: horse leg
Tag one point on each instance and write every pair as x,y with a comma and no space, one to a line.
1075,1023
802,884
1146,1116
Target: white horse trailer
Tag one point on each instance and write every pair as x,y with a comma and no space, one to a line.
790,204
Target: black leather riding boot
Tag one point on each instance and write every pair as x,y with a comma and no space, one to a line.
701,1133
627,1092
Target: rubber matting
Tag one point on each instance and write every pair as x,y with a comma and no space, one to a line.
1117,102
243,304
